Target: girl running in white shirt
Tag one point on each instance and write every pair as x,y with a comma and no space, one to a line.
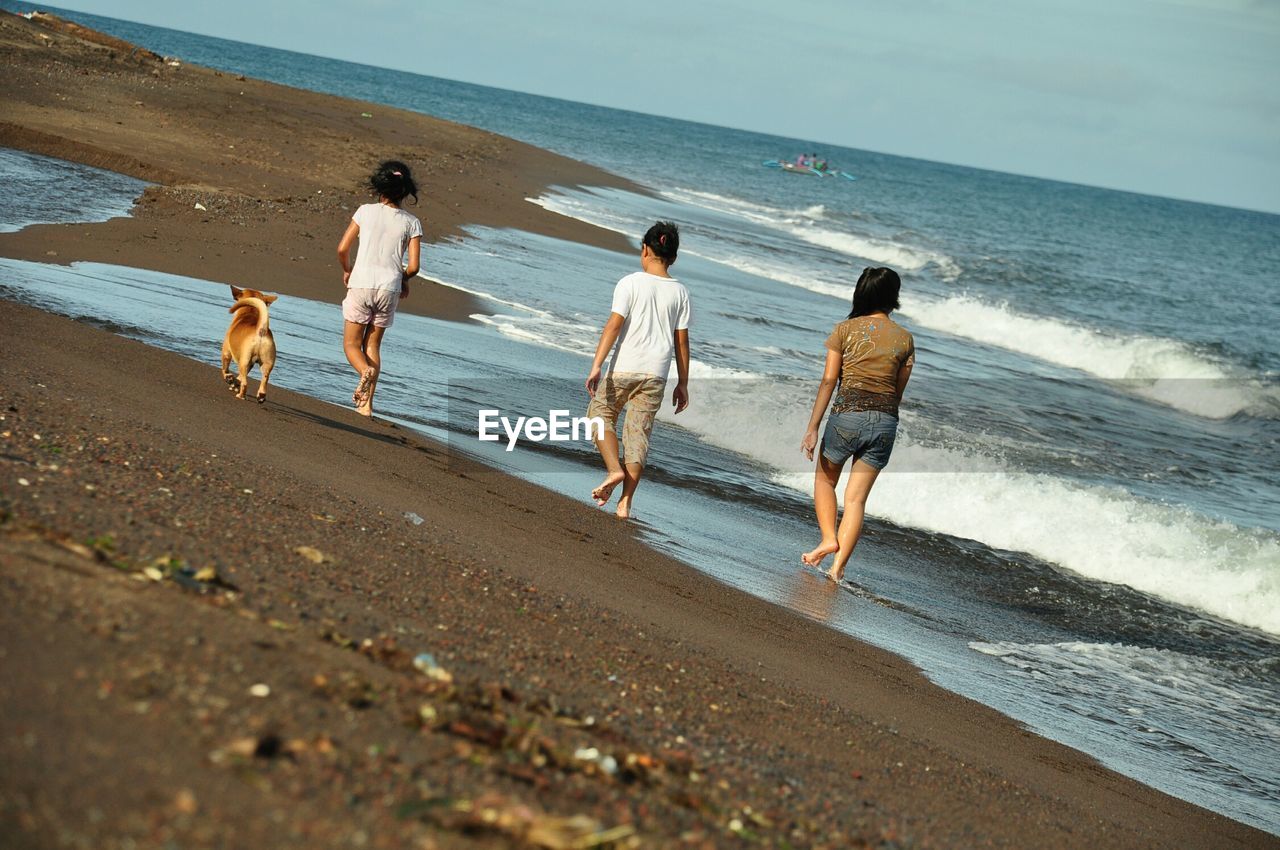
380,276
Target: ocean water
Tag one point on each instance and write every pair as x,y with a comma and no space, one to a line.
1081,522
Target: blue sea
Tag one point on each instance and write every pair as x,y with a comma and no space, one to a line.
1080,525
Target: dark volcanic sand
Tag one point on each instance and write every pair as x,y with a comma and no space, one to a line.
127,703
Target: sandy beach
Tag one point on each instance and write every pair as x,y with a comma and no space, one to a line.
278,170
287,626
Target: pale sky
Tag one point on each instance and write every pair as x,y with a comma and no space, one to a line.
1168,97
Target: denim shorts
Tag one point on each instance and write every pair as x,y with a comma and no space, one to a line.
865,435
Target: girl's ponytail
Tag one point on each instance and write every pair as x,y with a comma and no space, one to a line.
392,180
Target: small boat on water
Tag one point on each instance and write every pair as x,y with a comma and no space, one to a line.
796,168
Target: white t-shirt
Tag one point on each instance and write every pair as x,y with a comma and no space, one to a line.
384,237
654,308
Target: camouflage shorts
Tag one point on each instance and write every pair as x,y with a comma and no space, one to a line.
641,394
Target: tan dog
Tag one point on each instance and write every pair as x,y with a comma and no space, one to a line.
249,341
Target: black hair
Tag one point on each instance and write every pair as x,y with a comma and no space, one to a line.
663,240
877,291
393,181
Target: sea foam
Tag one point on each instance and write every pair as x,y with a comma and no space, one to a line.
1162,370
1102,533
887,252
749,210
804,224
1165,371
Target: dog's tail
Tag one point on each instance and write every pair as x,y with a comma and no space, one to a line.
258,305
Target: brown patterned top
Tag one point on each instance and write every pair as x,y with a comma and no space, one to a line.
872,350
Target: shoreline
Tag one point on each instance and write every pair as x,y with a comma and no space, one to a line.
278,170
633,587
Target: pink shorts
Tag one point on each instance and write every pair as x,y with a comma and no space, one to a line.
375,307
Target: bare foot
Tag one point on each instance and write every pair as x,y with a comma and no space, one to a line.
360,397
624,510
836,574
602,493
365,409
818,554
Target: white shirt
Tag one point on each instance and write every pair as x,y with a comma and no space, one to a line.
384,237
654,309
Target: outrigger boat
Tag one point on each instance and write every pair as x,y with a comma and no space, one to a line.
796,168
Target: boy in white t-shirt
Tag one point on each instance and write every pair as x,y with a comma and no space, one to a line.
380,276
650,326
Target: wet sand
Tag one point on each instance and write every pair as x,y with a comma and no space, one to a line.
212,609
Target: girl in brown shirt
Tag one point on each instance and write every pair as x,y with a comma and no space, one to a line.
869,357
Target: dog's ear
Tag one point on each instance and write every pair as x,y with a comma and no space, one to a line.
269,299
236,293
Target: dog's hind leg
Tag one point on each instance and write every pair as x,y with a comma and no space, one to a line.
243,381
262,384
226,361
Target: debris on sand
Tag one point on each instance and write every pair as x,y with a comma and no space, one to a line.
312,554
